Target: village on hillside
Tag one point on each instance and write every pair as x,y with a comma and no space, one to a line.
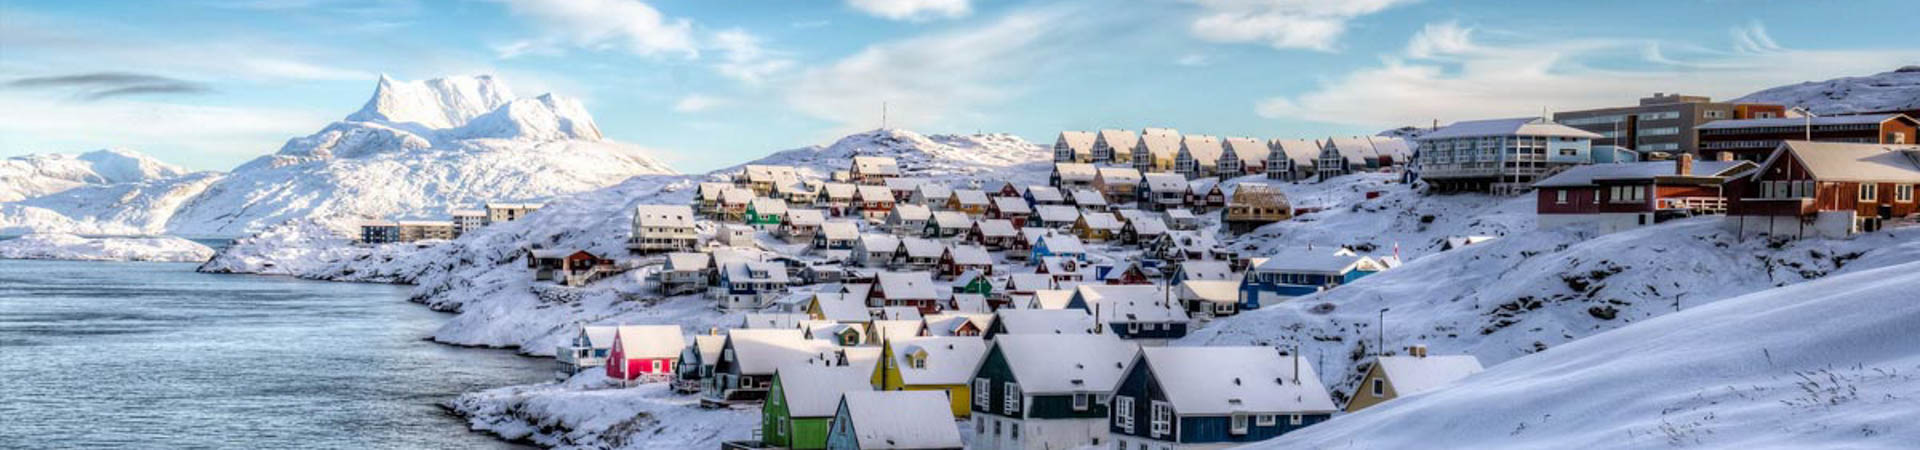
883,310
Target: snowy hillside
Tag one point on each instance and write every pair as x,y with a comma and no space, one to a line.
29,176
1400,215
1898,90
956,159
417,149
1528,292
1824,364
76,248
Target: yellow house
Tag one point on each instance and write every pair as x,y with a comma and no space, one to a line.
931,363
1394,376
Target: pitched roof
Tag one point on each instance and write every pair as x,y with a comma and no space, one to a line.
1227,380
1029,281
760,351
772,321
1086,197
934,192
945,324
970,255
901,419
1011,205
841,307
755,172
600,336
1044,321
1075,171
1412,375
912,212
1166,182
709,346
1861,119
1520,126
1100,221
814,391
1247,150
1204,149
877,165
906,285
887,329
1215,291
1056,213
1081,142
1119,140
1052,298
971,197
950,359
880,243
1836,161
1148,226
1064,364
1045,194
813,217
873,193
922,248
1586,175
1393,147
1062,243
685,261
1131,303
840,230
997,228
1301,151
973,304
1120,175
840,190
1180,213
1206,270
951,219
678,216
1356,149
1161,142
1305,261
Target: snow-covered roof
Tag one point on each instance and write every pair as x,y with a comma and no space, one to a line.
760,173
1862,119
1180,214
651,341
709,346
1119,140
1011,205
1586,175
1247,150
1301,151
736,196
1216,291
1204,149
871,193
896,313
1259,194
1356,149
1120,175
1462,241
949,359
760,351
971,197
425,223
1415,374
813,217
905,184
840,230
1063,244
687,261
1227,380
922,248
1148,226
952,219
711,190
970,255
1052,298
1075,171
1836,161
1045,194
1100,221
906,285
876,165
912,212
1207,270
946,324
772,321
676,216
743,272
898,328
841,307
1131,303
902,419
1087,197
1396,148
975,304
1056,213
814,391
1080,142
600,336
997,228
840,190
881,243
934,192
1066,364
1161,142
1029,281
1521,126
1166,182
1315,262
1044,321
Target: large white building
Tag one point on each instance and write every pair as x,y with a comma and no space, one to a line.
663,228
1501,156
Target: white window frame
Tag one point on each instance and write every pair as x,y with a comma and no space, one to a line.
1123,413
1869,192
1379,388
1238,425
983,393
1265,420
1295,419
1903,193
1011,400
1081,401
1162,419
1562,196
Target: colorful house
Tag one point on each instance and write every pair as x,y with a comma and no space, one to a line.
1391,377
587,349
801,404
930,363
1046,391
649,351
959,259
1213,397
696,362
1301,272
1058,245
765,212
893,420
1039,321
1147,314
911,289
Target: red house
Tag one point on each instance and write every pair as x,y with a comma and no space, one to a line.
913,289
1616,197
649,351
1829,189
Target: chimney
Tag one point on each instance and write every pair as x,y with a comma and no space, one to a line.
1417,351
1683,166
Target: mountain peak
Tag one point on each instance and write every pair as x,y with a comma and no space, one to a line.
438,103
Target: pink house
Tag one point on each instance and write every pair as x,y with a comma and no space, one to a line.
645,351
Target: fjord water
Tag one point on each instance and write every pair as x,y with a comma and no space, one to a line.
151,355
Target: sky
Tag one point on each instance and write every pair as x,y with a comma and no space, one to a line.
210,84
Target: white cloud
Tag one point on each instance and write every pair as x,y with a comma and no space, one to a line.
629,25
208,137
913,10
742,57
298,70
1283,24
1447,75
1194,60
693,103
933,79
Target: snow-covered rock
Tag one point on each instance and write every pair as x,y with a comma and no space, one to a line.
23,177
70,247
417,149
591,412
1898,90
1830,363
954,159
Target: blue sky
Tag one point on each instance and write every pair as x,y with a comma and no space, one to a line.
212,83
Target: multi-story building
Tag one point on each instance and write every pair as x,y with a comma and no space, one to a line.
1073,146
1046,391
467,220
421,230
1114,146
663,228
1214,397
508,212
1501,156
1156,150
379,232
1754,139
1661,123
1198,156
1292,159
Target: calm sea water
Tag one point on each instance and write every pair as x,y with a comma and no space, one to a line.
149,355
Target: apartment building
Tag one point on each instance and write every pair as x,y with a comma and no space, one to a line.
1661,123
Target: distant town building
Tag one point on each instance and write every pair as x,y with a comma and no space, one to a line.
1661,123
422,230
1500,156
1829,189
508,212
1622,196
1755,139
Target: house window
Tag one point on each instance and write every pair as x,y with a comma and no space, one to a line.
996,428
1013,431
1809,187
657,366
1012,400
1080,402
1869,192
1295,419
727,356
1239,424
1560,197
1903,193
1379,388
1163,419
980,425
982,393
1264,420
1123,413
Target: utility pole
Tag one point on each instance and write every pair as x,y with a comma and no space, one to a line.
1808,115
1382,350
883,115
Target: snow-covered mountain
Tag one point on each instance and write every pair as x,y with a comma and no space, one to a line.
1898,90
29,176
952,158
1829,363
417,149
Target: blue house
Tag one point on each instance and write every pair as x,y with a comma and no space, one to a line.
1061,245
1145,313
1211,397
1301,272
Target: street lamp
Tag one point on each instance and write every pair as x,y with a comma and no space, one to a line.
1808,115
1381,349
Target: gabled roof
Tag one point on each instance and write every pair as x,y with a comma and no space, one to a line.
1588,174
873,193
1836,161
876,165
1215,291
901,419
1011,205
762,173
1062,243
812,217
912,212
971,197
1119,140
780,321
950,359
1301,151
1204,149
1085,197
905,285
1861,119
1066,364
1356,149
1101,221
922,248
685,261
1056,213
1045,194
883,243
934,192
972,304
1029,281
840,190
1207,270
1392,147
711,190
736,196
1081,142
887,329
1413,375
814,391
1120,175
1161,142
743,271
1166,182
840,230
1315,262
970,255
760,351
600,336
709,346
951,219
1044,321
1075,171
1148,226
1247,150
676,216
767,205
1520,126
1053,298
997,228
1226,380
1180,213
842,307
946,324
1131,303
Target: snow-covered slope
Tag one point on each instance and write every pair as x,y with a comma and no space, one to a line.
29,176
1898,90
142,207
416,149
1401,215
1531,291
955,159
70,247
1831,363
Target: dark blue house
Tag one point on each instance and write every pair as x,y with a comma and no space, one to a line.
1297,273
1207,397
1133,312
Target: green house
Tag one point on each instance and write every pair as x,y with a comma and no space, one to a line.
765,211
972,282
801,404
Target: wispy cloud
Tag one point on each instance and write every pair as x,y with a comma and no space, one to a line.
742,57
694,103
1283,24
914,10
105,85
599,25
1447,73
208,137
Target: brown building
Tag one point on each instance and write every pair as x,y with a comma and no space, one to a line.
1661,123
1826,189
1754,139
